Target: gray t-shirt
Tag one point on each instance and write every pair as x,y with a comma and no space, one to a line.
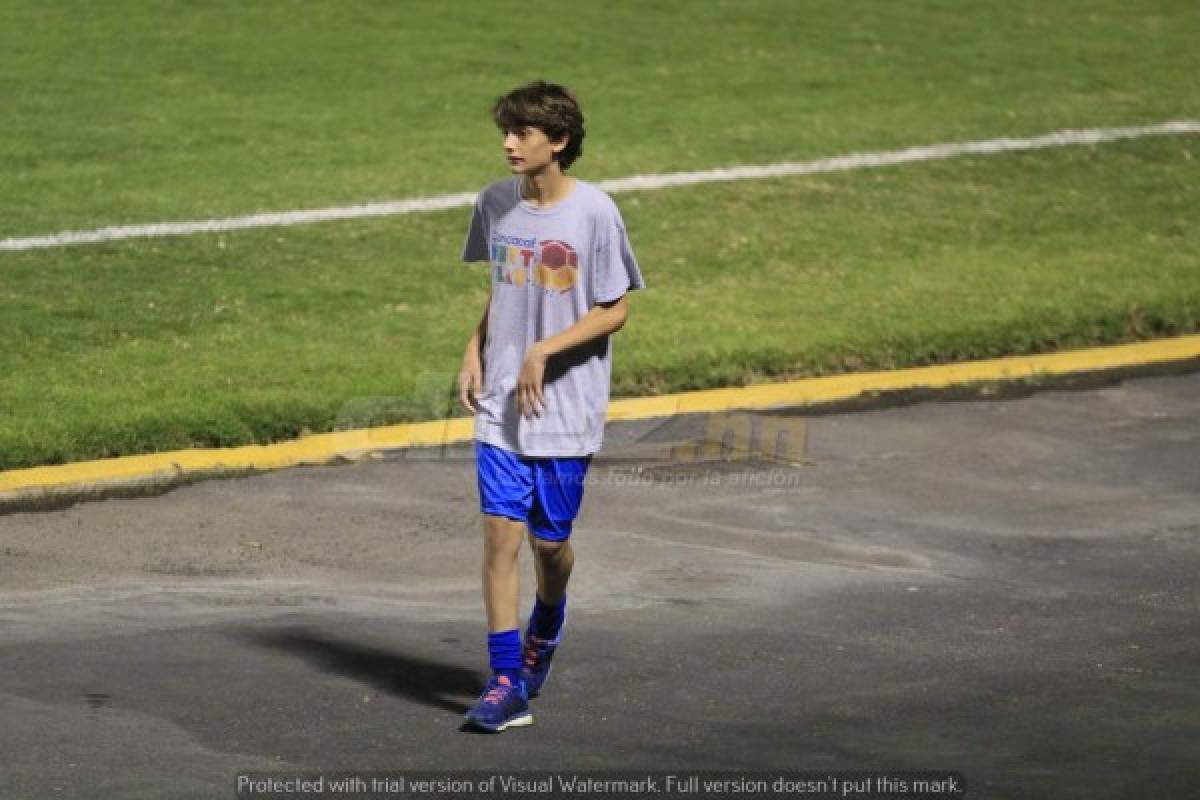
549,267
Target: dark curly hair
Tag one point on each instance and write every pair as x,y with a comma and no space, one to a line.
548,107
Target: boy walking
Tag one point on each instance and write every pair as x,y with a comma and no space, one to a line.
536,376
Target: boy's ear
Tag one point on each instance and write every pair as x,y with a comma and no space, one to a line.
561,144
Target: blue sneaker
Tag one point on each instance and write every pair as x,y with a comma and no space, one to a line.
536,655
502,705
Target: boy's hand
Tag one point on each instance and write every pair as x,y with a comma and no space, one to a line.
470,381
530,400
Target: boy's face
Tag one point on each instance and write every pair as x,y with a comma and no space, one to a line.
529,151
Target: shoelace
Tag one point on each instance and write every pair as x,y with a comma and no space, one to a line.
531,652
498,693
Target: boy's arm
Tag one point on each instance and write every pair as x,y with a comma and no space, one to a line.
470,377
479,336
602,320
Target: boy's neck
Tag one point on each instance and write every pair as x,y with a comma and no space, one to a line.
547,187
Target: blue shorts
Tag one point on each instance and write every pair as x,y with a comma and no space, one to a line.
545,493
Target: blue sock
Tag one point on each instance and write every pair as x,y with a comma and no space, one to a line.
546,621
504,652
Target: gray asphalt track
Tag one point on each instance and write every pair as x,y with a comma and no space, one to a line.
1005,588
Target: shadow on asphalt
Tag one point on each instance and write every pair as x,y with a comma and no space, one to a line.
431,683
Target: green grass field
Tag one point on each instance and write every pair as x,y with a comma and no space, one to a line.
117,115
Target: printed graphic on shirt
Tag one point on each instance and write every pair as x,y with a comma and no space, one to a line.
558,266
551,264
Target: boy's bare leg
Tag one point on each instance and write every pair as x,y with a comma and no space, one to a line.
501,578
553,562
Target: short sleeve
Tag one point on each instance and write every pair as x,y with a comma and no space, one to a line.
475,248
617,270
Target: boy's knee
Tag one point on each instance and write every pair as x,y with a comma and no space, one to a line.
548,550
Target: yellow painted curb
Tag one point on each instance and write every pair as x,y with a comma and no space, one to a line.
323,448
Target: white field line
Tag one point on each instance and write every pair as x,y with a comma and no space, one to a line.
634,183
